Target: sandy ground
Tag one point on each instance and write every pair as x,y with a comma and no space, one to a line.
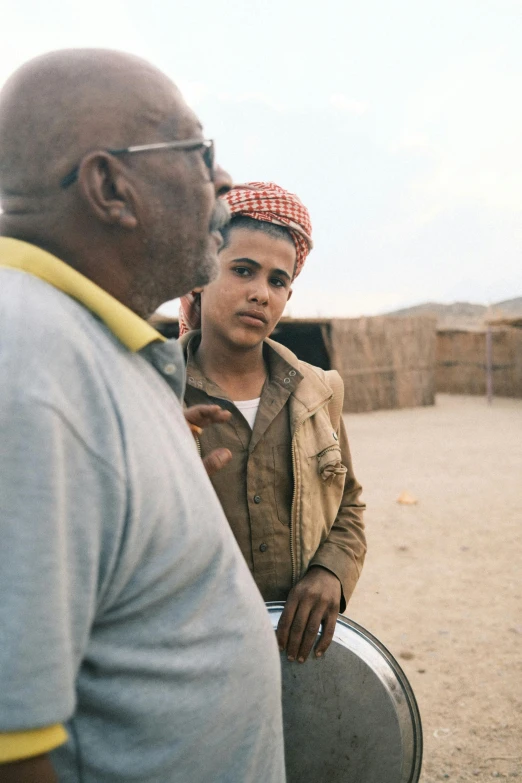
442,586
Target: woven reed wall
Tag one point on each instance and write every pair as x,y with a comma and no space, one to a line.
385,362
461,362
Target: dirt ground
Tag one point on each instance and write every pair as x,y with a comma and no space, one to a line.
442,587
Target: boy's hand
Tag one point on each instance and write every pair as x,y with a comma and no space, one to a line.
204,415
201,416
314,601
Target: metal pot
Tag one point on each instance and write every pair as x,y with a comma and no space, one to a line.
350,716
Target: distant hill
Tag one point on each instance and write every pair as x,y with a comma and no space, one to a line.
463,315
509,307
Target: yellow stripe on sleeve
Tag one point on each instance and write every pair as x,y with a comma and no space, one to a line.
16,745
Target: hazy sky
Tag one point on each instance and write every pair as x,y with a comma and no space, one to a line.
399,124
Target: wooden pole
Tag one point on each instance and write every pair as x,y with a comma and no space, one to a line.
489,364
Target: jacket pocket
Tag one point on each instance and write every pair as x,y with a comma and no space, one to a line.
329,464
323,488
283,483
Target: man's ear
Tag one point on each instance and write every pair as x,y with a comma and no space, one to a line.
107,191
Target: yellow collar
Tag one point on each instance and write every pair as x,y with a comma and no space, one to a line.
129,328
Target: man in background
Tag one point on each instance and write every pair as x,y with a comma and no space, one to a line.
135,645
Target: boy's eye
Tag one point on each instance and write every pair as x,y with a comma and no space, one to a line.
242,271
277,282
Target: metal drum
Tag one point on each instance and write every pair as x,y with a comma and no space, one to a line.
351,716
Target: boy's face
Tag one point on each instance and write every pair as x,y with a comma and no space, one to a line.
248,297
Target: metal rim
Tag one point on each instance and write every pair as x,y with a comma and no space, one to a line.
400,676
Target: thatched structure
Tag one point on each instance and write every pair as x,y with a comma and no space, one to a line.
385,362
462,361
514,322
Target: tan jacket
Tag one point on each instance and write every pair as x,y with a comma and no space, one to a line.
326,516
326,526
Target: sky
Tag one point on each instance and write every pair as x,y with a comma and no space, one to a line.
398,124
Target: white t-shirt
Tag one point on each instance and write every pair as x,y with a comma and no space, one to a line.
249,409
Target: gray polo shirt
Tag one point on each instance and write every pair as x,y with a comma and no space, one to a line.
127,612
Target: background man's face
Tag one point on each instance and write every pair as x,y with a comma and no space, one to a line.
183,215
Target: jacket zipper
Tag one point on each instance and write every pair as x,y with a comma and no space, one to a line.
292,524
198,443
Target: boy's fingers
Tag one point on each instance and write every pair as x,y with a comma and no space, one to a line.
203,415
216,460
215,416
198,414
309,637
285,622
297,630
327,634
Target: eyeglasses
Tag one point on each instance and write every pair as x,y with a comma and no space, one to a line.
187,145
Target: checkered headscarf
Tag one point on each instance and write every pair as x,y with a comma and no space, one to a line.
267,202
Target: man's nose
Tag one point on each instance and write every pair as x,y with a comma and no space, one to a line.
222,181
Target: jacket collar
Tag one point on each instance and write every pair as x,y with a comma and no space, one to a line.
312,393
309,389
283,373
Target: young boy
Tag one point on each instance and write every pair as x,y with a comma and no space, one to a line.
289,492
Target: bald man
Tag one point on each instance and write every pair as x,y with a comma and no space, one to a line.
135,645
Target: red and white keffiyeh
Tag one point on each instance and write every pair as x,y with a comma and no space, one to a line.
269,203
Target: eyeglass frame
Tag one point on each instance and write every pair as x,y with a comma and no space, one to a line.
184,144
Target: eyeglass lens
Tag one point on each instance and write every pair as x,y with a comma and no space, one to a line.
209,157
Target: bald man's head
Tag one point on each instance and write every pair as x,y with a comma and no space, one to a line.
142,226
61,105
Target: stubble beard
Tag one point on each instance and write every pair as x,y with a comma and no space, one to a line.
166,278
201,266
175,271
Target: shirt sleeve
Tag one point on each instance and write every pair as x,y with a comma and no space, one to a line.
55,494
344,550
17,745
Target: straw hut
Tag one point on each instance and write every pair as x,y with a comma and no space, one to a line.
512,323
483,361
385,362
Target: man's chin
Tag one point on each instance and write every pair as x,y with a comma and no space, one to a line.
208,270
212,268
